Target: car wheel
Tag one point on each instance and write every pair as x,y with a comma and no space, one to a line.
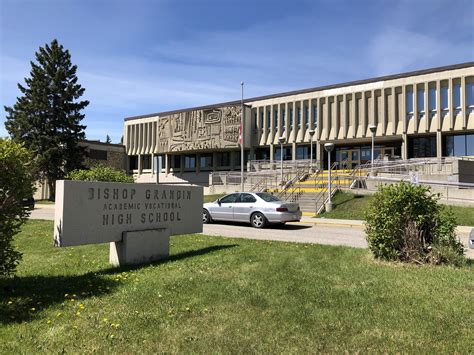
258,220
206,217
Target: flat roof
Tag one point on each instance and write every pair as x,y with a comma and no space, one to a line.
314,89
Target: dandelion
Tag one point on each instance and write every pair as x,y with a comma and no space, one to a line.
188,309
66,294
78,313
81,306
104,320
10,302
48,322
74,326
33,309
59,314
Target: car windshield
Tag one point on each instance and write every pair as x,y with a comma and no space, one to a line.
265,196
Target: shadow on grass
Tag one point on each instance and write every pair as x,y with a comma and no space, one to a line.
268,226
23,298
175,257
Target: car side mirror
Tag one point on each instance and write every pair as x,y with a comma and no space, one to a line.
218,202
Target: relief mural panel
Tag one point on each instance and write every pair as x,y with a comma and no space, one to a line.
216,128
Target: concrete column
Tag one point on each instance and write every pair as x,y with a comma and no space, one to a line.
394,110
463,102
427,108
327,119
279,125
354,122
152,157
319,121
319,153
272,152
265,124
303,120
293,150
382,112
438,105
451,106
364,114
404,146
167,164
439,144
310,116
344,115
404,109
139,164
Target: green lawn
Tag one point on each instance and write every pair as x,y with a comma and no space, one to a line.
351,206
231,295
44,202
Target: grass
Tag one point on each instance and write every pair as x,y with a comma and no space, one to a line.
230,295
351,206
44,202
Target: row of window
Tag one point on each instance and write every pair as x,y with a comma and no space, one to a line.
453,146
300,117
432,98
303,117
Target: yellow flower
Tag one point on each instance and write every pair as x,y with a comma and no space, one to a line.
32,309
104,319
78,313
10,302
59,314
49,322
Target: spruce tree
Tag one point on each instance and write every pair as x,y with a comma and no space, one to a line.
47,116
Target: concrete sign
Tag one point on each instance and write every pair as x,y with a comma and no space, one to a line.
101,212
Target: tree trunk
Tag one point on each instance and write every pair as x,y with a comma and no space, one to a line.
52,189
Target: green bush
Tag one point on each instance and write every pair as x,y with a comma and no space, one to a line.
406,223
100,173
16,184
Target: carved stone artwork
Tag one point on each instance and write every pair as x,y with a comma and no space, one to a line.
215,128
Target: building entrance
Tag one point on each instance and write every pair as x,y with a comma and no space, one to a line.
351,157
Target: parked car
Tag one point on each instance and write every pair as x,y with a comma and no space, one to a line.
260,209
29,203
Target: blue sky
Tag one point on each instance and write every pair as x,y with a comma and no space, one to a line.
142,56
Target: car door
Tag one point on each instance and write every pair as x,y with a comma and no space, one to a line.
224,210
244,207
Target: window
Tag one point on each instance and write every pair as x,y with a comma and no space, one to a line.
422,147
98,154
470,94
262,153
298,119
458,145
146,161
432,99
265,196
306,116
261,119
457,96
133,162
229,198
444,98
205,161
315,116
283,120
246,198
223,159
421,101
409,102
190,162
286,153
291,118
275,120
302,152
176,161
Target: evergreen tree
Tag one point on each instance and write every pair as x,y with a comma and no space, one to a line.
47,117
108,140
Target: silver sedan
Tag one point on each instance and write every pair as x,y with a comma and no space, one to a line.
258,208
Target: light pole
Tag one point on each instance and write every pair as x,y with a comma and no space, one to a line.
311,134
329,148
282,141
372,130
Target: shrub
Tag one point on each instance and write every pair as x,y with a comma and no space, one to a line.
16,184
405,222
100,173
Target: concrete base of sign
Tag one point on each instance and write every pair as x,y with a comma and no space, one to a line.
140,247
328,206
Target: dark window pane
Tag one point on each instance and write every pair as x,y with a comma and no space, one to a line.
448,146
229,198
432,99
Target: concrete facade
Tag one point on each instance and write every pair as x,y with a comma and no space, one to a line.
415,114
